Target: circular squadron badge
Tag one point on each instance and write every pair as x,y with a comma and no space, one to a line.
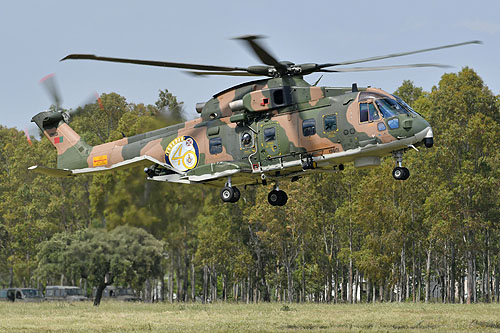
182,153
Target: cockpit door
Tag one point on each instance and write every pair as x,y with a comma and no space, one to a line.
372,124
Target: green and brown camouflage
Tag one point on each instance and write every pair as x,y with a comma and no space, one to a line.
270,129
267,127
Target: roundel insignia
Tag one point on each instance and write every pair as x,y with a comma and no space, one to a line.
182,153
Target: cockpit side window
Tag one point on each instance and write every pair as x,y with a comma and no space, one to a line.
367,112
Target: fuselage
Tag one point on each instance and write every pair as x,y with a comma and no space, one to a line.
279,127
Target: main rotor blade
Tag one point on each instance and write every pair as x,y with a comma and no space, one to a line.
380,68
221,73
261,52
393,55
153,63
49,83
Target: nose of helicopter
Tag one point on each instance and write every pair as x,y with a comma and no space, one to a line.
423,131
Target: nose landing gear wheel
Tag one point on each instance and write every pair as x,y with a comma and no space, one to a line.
400,173
277,198
230,194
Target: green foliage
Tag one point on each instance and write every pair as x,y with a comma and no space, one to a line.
125,255
409,93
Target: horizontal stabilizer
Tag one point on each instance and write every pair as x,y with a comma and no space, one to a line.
51,171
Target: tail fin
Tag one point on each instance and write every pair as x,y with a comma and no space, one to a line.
72,151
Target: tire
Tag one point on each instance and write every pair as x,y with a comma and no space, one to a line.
227,194
236,194
273,198
398,173
283,198
406,174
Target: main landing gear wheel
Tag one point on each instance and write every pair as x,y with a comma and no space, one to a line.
230,194
401,173
277,198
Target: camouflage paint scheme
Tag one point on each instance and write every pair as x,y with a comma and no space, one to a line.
279,105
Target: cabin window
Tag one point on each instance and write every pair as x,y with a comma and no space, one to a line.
309,127
367,112
215,146
246,140
381,126
278,97
50,292
330,122
269,134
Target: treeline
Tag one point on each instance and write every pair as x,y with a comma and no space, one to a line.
354,236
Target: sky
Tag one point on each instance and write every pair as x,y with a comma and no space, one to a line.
37,34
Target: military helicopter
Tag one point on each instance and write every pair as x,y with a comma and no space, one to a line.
264,131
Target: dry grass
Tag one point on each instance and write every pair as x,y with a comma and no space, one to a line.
122,317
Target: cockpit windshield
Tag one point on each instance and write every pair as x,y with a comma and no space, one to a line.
389,107
404,105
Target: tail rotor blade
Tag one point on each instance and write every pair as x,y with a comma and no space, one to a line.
93,99
28,136
49,83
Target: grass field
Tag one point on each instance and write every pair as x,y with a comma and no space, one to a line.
122,317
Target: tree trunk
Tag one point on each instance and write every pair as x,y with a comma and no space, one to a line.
402,276
344,286
368,290
98,294
419,280
460,290
193,281
100,288
289,283
248,290
329,286
178,278
205,284
428,275
474,279
336,282
171,283
452,272
486,270
185,283
303,294
147,291
414,276
497,280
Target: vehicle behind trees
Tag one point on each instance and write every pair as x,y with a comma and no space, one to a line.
119,294
64,293
21,295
